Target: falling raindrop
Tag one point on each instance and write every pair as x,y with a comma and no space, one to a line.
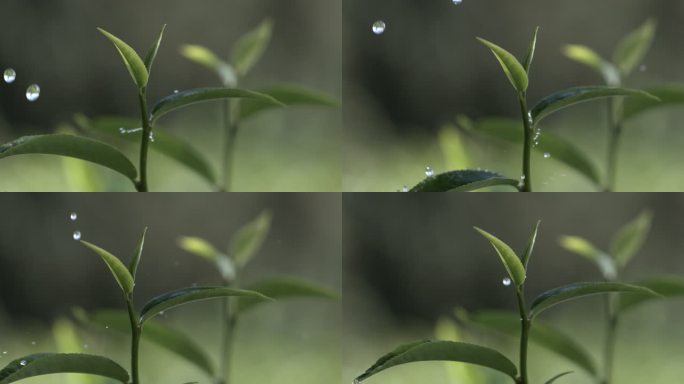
33,92
73,216
77,235
10,75
379,27
547,155
506,281
429,172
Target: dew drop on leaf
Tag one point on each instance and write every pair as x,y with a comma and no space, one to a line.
151,137
10,75
175,91
429,172
77,235
506,281
379,27
547,155
22,363
33,92
73,216
405,188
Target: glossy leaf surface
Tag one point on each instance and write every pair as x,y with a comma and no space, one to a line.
50,363
463,181
120,272
136,66
288,95
509,259
511,66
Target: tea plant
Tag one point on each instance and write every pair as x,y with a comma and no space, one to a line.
627,57
98,152
516,267
243,246
518,75
624,246
125,276
246,53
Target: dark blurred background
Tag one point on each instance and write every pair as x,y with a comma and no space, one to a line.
44,273
411,259
402,86
56,45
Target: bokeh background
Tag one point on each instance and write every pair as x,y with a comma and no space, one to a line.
44,273
401,87
56,45
410,260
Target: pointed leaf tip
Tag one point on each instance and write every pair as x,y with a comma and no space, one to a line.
511,66
119,270
510,260
131,59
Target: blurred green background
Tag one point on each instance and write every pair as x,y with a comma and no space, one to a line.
44,273
56,45
410,259
427,67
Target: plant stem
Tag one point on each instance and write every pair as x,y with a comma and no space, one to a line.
611,339
615,132
136,331
145,145
525,324
229,319
231,126
526,185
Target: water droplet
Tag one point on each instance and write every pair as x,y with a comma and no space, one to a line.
643,68
33,92
22,363
33,343
77,235
85,346
4,352
405,188
10,75
429,172
506,281
73,216
530,120
175,91
379,27
151,137
124,131
521,183
457,2
106,326
547,155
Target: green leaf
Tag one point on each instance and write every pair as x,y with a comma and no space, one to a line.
668,95
251,47
155,333
48,363
630,238
510,260
133,62
584,248
453,148
574,291
288,95
511,66
205,250
190,295
664,286
542,335
133,266
462,181
247,241
284,289
168,145
560,149
558,376
200,95
447,329
71,146
530,245
529,58
585,55
118,269
154,50
442,351
572,96
205,57
634,47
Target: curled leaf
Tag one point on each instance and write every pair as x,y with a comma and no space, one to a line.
133,62
511,66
